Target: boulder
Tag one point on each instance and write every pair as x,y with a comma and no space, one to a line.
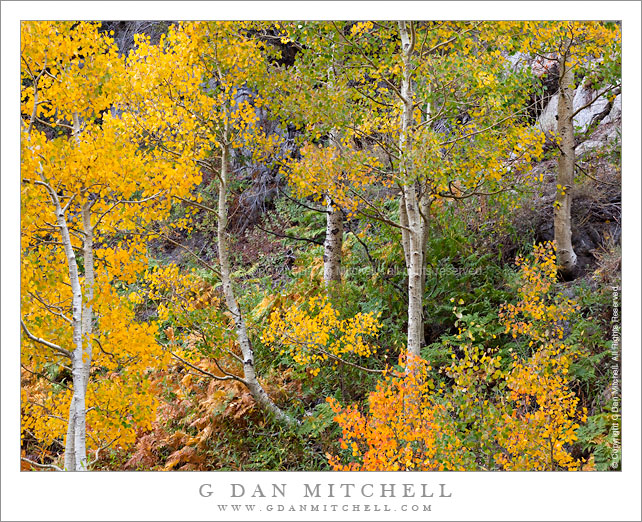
547,121
599,140
596,112
588,145
593,113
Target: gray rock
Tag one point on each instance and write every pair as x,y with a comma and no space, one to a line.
614,134
593,113
587,146
547,121
517,61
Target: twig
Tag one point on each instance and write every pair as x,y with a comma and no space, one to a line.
379,215
103,350
595,99
196,204
196,256
301,204
362,243
43,466
277,234
101,449
594,179
343,361
53,346
228,377
43,376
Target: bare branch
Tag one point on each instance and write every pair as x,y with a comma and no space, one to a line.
43,376
594,99
196,204
228,377
52,415
316,346
193,254
485,129
53,346
343,361
102,349
300,203
101,449
379,215
35,95
125,201
43,466
595,179
286,236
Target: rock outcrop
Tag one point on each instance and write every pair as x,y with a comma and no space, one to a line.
597,111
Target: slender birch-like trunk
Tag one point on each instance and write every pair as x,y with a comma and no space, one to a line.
413,239
82,324
247,351
75,451
80,389
425,214
405,234
566,257
333,244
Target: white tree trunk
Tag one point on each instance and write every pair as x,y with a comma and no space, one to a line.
75,452
566,258
415,273
333,244
75,445
247,351
413,240
405,234
80,389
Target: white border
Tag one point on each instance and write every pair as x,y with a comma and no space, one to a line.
476,496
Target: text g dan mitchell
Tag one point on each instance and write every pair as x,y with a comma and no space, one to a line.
328,490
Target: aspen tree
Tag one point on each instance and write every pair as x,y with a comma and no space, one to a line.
83,184
594,50
440,104
185,101
320,105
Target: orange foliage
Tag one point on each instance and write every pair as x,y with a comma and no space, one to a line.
406,429
524,417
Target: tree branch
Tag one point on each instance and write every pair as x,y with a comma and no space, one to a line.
595,99
43,376
53,346
285,236
594,179
379,215
321,210
101,449
193,254
228,376
43,466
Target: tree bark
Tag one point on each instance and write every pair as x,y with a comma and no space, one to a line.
413,242
80,389
75,445
332,246
566,258
415,278
247,351
405,234
75,451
